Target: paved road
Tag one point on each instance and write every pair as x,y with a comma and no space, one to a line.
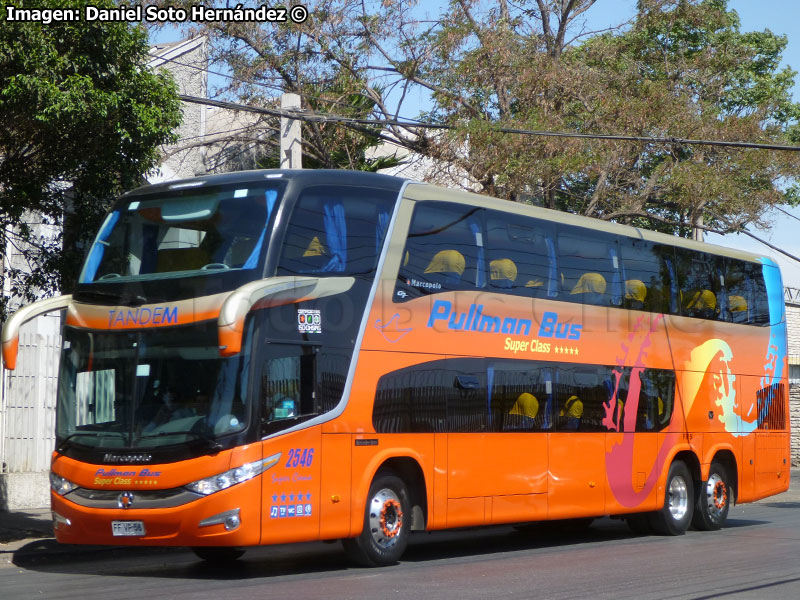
756,556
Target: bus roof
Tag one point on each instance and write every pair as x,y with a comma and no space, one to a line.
309,177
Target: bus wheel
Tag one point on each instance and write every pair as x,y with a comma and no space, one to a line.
387,524
676,515
713,500
218,554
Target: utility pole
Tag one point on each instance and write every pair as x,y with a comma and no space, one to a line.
697,232
291,148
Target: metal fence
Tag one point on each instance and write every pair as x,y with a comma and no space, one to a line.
28,405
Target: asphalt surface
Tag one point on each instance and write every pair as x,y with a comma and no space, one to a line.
753,558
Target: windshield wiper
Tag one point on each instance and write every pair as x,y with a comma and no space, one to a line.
212,444
126,299
66,442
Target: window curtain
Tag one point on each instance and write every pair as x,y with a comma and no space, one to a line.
380,230
475,228
96,256
336,236
271,196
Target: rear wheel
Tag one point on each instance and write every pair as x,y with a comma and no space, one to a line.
387,524
218,554
676,515
713,500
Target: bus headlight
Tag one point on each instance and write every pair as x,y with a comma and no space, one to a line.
60,485
211,485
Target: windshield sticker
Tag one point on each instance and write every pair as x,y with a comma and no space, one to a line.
309,320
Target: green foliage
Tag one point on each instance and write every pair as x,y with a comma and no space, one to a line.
82,120
682,69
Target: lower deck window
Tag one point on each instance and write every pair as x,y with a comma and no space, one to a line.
486,395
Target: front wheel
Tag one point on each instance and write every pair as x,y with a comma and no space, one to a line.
713,500
387,524
676,514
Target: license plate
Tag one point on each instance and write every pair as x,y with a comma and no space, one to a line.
127,528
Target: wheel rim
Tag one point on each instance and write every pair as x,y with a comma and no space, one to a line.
678,498
385,518
716,495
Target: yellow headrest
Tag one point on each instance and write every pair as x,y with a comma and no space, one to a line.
315,248
703,299
447,261
502,268
573,407
526,406
737,303
635,289
590,282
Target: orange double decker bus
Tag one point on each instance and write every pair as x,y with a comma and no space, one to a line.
283,356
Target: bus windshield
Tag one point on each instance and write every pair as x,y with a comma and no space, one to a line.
192,232
150,388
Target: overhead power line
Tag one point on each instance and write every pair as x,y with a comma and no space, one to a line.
328,118
331,118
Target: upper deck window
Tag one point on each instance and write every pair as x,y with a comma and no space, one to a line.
336,231
445,249
185,233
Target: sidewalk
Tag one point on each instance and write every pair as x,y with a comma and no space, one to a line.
20,527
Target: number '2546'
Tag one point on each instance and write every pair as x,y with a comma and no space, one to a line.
300,457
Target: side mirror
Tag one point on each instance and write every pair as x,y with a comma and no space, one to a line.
10,335
275,291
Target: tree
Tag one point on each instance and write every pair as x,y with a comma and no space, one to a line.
82,120
321,61
678,69
681,69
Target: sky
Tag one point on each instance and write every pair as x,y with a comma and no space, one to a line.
779,16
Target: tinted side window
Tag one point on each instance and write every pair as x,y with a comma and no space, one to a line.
444,250
589,267
647,277
440,396
520,396
477,395
582,392
336,231
747,295
653,405
520,255
700,278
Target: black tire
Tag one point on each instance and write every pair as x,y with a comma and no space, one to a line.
675,516
218,554
387,524
713,500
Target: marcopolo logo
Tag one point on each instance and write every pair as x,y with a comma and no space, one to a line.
474,320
